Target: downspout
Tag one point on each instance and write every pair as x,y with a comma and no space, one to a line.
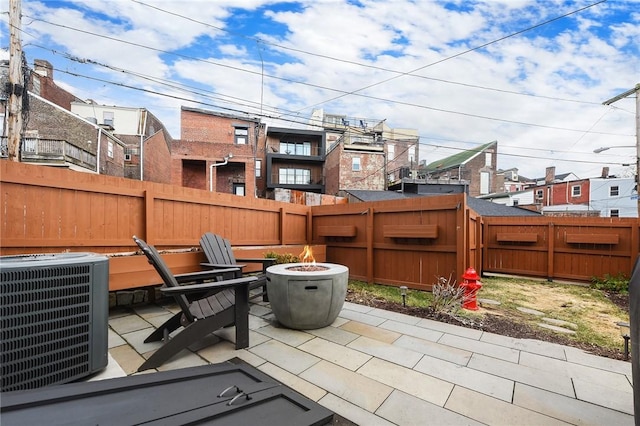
98,150
142,131
226,160
548,195
255,155
385,168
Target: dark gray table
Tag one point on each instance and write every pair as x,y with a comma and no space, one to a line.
231,393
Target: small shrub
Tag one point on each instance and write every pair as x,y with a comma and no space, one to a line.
615,284
447,296
282,257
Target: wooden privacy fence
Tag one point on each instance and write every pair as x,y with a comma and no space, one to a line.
560,248
402,242
49,210
54,210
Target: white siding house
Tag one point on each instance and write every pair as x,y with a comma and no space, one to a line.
614,197
123,120
511,199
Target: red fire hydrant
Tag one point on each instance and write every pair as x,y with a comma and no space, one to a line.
471,285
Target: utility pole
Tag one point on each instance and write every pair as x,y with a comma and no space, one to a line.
630,92
16,82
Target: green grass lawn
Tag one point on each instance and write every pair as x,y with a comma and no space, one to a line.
588,308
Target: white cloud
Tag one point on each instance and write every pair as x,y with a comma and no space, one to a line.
588,57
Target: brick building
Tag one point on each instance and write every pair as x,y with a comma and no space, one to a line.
510,180
475,167
563,198
147,154
42,84
364,153
54,136
294,160
401,148
353,167
217,152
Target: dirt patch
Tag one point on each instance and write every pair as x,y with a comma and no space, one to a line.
496,322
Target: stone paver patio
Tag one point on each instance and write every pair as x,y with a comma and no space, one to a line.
375,367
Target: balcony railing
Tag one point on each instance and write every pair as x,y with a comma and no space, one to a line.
297,179
51,150
293,149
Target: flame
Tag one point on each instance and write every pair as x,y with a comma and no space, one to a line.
307,256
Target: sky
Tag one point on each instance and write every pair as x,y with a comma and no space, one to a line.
532,75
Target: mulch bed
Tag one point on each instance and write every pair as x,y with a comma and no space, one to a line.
497,324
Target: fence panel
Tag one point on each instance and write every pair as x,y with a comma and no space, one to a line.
50,210
560,248
402,242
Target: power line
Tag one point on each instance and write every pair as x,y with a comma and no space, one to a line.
462,53
369,66
140,75
344,93
242,112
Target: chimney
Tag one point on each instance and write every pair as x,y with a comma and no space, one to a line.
605,172
550,174
44,68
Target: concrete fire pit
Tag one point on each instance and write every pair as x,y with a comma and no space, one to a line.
307,296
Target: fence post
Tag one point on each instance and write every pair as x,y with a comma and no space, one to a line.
635,242
551,246
148,216
634,317
282,224
309,233
370,276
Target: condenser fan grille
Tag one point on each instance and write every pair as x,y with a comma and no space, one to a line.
46,316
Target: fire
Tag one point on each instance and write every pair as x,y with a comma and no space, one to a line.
307,256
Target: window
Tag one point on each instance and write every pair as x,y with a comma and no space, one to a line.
614,191
391,152
238,189
336,120
355,164
294,176
615,213
487,159
515,202
295,148
107,118
110,149
539,194
241,135
412,154
484,182
30,145
258,168
576,191
127,157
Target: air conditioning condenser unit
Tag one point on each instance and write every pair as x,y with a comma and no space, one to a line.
53,318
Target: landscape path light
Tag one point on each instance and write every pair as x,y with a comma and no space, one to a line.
403,293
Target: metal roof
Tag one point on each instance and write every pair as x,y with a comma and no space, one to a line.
482,207
457,159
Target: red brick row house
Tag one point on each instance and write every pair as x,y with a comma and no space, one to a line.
218,152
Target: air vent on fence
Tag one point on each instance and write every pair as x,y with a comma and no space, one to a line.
53,318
